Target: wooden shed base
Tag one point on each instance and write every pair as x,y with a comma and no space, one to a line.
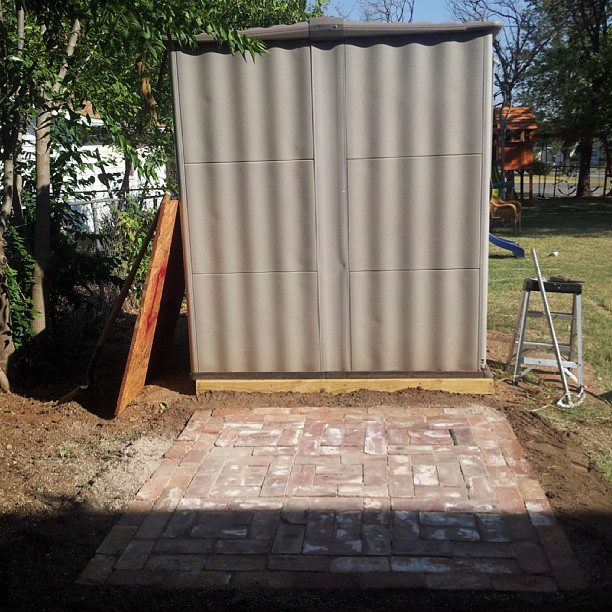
478,386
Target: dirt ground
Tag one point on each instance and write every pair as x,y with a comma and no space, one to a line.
67,472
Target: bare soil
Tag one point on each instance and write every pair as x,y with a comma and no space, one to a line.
67,473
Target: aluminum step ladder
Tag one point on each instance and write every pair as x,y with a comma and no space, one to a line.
572,364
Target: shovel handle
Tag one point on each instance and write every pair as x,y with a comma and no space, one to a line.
127,284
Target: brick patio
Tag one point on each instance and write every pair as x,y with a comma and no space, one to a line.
380,497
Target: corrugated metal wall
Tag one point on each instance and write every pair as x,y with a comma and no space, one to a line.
333,196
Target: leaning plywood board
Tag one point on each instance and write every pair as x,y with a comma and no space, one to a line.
144,336
477,386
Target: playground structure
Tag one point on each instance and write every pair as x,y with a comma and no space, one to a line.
500,209
519,125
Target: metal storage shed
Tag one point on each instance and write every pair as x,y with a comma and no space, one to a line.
334,201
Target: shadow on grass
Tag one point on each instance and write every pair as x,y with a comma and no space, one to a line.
588,217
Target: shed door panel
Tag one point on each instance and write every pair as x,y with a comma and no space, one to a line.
239,110
264,322
421,98
251,217
414,213
418,320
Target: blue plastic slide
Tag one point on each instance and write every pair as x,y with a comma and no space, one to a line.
514,247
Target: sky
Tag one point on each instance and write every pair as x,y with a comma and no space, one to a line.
424,10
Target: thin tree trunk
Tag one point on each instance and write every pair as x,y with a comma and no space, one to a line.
42,226
608,170
7,347
585,148
11,144
18,216
125,183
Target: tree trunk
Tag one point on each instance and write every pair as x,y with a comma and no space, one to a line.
566,149
585,148
7,348
125,183
42,226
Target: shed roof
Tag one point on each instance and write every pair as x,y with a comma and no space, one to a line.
336,28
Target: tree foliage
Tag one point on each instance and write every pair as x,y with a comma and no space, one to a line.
570,84
387,11
56,56
525,34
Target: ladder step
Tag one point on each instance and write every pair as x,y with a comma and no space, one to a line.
555,315
551,363
544,345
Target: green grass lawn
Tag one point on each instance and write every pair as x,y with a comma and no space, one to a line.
581,231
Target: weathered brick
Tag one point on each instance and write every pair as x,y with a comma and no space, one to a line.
469,505
479,487
443,519
425,475
263,503
332,547
405,525
243,547
502,550
180,524
493,457
239,563
135,555
531,558
510,500
487,565
116,540
288,540
462,580
450,475
461,534
553,540
183,546
540,513
264,525
298,563
377,510
359,564
97,570
440,493
376,540
567,573
171,563
416,505
178,449
422,548
320,525
375,438
425,565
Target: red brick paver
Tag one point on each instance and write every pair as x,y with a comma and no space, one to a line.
341,497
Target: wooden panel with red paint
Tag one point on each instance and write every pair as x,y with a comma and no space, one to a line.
146,324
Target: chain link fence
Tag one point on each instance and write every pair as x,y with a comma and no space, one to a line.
561,181
109,230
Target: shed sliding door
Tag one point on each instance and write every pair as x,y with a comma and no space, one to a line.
247,149
414,157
